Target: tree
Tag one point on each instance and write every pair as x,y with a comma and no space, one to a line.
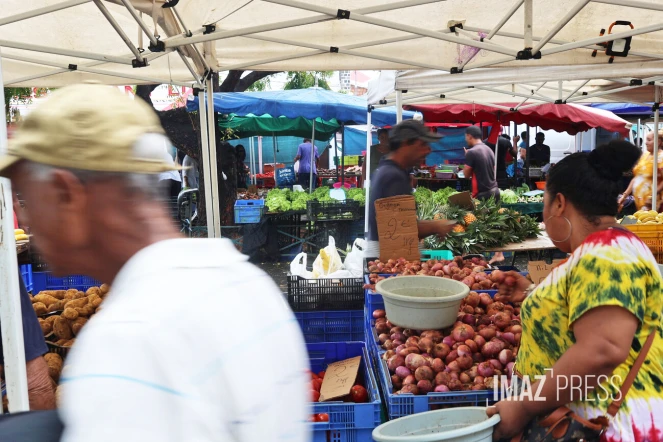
306,79
21,95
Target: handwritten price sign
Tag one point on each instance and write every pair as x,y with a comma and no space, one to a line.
339,378
397,228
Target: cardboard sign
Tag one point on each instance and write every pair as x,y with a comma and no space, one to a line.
339,379
462,200
398,233
539,270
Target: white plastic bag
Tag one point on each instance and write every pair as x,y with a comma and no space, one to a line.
298,266
328,261
354,261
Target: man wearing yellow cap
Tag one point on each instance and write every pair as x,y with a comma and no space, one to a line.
192,343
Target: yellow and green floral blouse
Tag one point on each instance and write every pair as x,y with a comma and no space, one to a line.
611,268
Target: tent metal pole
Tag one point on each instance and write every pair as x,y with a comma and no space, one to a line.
250,64
260,153
367,165
187,31
310,173
207,176
10,302
560,24
212,158
560,89
190,68
37,76
274,148
515,94
106,13
428,94
505,19
358,16
608,92
632,4
336,162
399,106
41,11
127,4
528,22
343,155
575,91
99,71
654,194
534,94
608,37
637,140
65,52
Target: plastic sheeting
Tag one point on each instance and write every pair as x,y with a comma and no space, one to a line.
307,103
266,125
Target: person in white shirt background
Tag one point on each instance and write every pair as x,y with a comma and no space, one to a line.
190,173
192,343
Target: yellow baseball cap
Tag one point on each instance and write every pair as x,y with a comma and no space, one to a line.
88,127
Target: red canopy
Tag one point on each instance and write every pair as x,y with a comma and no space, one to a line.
570,118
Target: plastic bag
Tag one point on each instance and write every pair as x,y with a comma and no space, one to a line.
328,261
298,266
354,261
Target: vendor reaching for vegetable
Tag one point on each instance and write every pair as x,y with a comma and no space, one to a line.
409,146
590,318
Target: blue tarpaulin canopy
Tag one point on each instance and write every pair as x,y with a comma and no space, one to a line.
307,103
625,109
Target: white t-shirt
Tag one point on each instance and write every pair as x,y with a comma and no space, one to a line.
171,174
193,343
191,174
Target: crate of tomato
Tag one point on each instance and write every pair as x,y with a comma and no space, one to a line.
350,417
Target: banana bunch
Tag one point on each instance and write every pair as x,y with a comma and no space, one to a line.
647,217
19,235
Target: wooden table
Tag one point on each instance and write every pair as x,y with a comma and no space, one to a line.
539,244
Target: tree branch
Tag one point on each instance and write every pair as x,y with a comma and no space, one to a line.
231,81
251,78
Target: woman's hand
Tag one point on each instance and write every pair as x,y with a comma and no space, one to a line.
516,292
514,417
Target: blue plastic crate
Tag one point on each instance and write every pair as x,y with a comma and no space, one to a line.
249,211
332,326
26,274
46,281
348,422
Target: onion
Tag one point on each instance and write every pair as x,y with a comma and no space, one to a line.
480,340
441,388
479,311
454,375
425,386
509,281
413,349
453,354
506,356
441,351
464,378
464,350
394,362
396,381
409,380
497,276
485,320
462,333
476,286
383,338
485,369
402,372
437,267
412,341
488,333
502,320
465,362
388,354
453,366
398,337
485,300
469,319
409,332
472,345
381,320
468,309
402,350
468,281
381,327
517,338
509,337
409,389
517,328
478,357
439,273
397,343
479,379
492,348
478,387
388,345
446,270
509,368
426,345
389,324
424,373
490,383
473,299
472,372
497,365
437,365
455,385
379,314
442,378
414,361
395,330
448,340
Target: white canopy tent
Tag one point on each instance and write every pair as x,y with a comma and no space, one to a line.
51,43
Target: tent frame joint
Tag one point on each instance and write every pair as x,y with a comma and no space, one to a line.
456,70
72,67
370,108
159,46
655,107
560,102
458,25
208,29
343,14
526,54
333,49
139,63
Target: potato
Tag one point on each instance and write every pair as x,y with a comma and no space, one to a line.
95,302
105,288
59,294
76,303
97,310
46,327
57,307
78,324
40,308
46,299
69,343
93,291
70,313
60,342
51,319
62,328
54,362
85,311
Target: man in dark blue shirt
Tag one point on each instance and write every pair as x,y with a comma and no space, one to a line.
409,146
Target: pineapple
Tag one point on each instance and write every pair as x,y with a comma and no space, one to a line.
454,213
469,219
459,228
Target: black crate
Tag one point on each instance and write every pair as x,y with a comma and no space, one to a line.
306,295
344,232
334,210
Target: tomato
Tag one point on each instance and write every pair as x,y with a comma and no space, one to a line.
315,396
322,417
316,384
321,375
314,376
358,394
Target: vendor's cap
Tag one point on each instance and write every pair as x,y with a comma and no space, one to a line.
412,130
90,127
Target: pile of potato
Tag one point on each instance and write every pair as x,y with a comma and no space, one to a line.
74,308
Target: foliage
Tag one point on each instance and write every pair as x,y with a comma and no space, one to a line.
21,95
307,79
283,200
227,133
260,85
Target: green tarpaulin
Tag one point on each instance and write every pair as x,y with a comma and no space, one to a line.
265,125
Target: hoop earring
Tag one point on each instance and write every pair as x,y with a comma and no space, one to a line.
570,229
